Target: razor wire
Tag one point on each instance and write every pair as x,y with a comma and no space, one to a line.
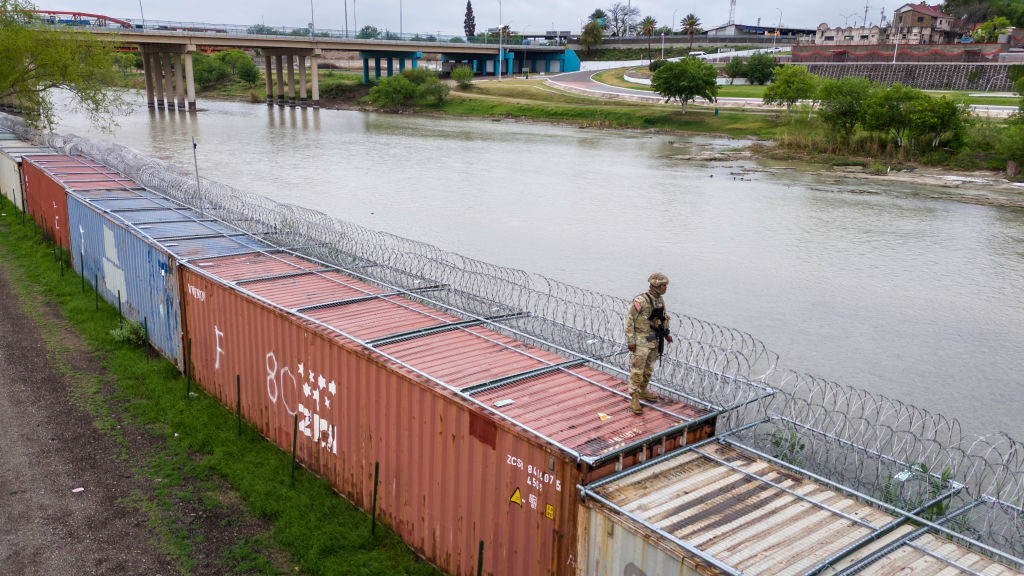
887,449
897,453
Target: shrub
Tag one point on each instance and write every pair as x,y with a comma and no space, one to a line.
415,86
653,66
129,333
463,75
209,71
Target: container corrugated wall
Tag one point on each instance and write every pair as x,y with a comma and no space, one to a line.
451,475
46,200
12,179
126,267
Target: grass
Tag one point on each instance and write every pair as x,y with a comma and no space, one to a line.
321,532
531,100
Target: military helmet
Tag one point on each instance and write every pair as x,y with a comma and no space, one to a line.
657,279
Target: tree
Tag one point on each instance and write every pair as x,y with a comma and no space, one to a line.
469,23
760,68
841,104
932,119
209,71
591,36
890,110
260,29
647,27
690,25
463,75
599,16
686,79
368,33
735,68
34,60
621,18
989,31
790,84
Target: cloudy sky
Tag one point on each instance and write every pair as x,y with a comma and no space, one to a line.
445,16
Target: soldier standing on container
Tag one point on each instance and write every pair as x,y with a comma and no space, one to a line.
646,334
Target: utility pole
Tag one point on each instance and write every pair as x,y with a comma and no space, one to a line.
501,53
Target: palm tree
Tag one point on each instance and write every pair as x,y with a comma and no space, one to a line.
647,27
691,25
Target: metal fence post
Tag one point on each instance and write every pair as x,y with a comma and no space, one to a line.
480,560
238,401
376,476
295,442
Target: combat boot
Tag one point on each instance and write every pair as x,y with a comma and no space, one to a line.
634,403
648,396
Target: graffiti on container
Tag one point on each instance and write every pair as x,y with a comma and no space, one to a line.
314,395
217,335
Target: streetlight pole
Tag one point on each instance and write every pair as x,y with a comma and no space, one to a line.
400,32
662,45
312,21
346,18
672,22
777,28
143,16
897,48
501,53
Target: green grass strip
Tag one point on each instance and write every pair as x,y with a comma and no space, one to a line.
322,532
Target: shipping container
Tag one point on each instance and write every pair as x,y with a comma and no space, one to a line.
12,178
48,178
128,241
481,437
718,507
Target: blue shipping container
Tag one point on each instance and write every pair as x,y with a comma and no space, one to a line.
130,246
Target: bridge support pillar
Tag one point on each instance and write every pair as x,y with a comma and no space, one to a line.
376,68
302,81
401,65
315,71
147,71
279,63
291,79
366,70
179,81
161,79
268,66
391,67
190,83
171,69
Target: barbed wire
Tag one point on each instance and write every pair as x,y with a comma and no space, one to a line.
875,445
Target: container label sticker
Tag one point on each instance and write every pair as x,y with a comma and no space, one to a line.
517,498
549,511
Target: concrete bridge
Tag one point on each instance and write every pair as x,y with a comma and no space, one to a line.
167,60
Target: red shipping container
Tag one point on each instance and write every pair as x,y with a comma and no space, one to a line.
48,177
479,437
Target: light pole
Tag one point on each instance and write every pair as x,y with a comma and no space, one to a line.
355,20
501,53
777,28
400,33
312,21
897,48
662,45
143,16
346,18
672,22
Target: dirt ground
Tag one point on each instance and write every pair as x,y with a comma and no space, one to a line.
68,497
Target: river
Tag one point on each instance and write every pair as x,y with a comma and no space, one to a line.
869,283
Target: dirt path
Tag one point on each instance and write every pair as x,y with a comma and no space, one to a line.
48,449
72,500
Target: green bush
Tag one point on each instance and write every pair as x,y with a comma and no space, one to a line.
463,75
129,333
653,66
417,86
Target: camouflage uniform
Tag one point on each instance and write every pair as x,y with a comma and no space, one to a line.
642,324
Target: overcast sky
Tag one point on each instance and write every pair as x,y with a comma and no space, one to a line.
445,16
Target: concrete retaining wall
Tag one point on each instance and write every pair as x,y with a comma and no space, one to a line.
925,76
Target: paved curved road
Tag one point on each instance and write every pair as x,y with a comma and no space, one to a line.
583,83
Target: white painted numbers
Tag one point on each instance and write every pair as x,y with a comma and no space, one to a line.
314,396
